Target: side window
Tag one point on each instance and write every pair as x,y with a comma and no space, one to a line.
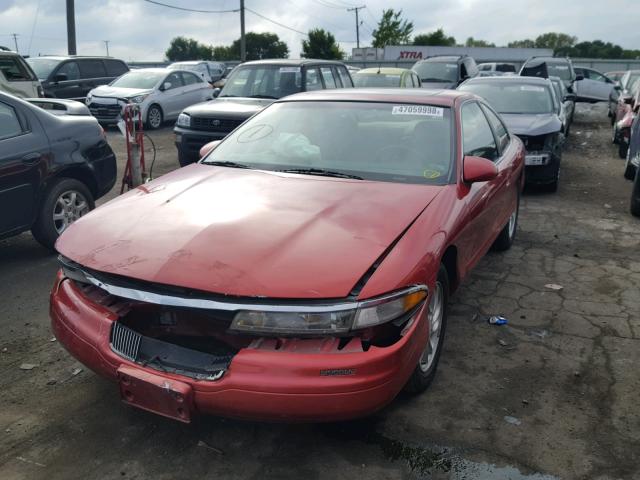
344,76
190,78
477,137
9,123
593,75
70,69
327,76
175,80
313,80
498,128
115,68
13,70
92,69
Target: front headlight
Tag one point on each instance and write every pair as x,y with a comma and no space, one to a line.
138,98
332,319
184,120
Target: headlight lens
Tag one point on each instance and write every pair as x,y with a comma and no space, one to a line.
184,120
396,306
138,99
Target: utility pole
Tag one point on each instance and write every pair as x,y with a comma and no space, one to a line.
355,9
71,27
243,40
15,40
106,44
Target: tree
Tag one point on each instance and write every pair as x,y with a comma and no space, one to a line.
321,44
182,48
472,42
527,43
392,29
435,38
560,43
259,45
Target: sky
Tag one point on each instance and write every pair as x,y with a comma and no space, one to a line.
141,31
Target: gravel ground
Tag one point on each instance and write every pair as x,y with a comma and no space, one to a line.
554,394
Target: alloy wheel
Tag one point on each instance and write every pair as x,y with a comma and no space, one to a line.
69,206
435,316
155,117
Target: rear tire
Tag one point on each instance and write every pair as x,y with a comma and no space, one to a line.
508,233
425,371
64,201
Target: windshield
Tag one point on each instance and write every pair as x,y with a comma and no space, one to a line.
42,66
559,70
374,141
139,79
437,71
263,81
376,80
513,97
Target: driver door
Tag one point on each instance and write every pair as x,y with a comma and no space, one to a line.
173,96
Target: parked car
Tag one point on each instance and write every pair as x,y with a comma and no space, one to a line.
58,106
17,78
52,169
526,105
622,91
623,118
544,67
249,88
633,152
302,270
567,104
73,77
386,77
211,72
161,94
616,75
594,86
445,71
499,68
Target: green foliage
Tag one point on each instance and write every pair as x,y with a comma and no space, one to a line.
527,43
321,44
472,42
567,45
259,46
392,29
435,38
182,48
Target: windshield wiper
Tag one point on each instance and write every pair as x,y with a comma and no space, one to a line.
263,96
224,163
321,172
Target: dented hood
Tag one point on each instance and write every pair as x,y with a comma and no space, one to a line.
247,232
534,124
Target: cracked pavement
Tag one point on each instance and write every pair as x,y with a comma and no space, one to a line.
565,367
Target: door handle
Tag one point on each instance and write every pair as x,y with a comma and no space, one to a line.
31,158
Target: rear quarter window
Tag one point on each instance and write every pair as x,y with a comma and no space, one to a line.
9,123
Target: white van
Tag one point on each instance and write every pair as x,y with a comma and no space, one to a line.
17,78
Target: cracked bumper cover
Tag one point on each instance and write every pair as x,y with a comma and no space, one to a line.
261,384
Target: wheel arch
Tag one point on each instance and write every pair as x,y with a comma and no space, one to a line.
80,173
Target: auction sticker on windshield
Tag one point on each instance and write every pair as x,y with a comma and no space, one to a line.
424,110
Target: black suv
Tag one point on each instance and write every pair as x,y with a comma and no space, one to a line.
52,169
446,71
74,77
545,67
249,88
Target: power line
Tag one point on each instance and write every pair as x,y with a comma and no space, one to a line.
191,9
274,22
15,39
326,3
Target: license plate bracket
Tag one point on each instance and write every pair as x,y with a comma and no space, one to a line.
536,160
163,396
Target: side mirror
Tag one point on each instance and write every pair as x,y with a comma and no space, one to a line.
208,148
579,77
60,77
216,92
478,169
165,86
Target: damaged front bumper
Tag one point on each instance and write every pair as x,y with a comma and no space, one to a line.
324,378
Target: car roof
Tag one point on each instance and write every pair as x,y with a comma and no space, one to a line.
189,62
157,69
383,71
290,61
442,97
548,59
442,58
75,57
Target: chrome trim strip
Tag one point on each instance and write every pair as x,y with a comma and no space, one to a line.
202,303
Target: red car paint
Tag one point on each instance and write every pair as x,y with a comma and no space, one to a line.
270,243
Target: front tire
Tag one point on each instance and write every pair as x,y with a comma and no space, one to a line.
154,117
65,200
425,371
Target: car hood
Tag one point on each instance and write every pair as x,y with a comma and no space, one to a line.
539,124
118,92
247,232
229,107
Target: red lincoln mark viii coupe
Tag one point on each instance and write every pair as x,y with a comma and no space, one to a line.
301,270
